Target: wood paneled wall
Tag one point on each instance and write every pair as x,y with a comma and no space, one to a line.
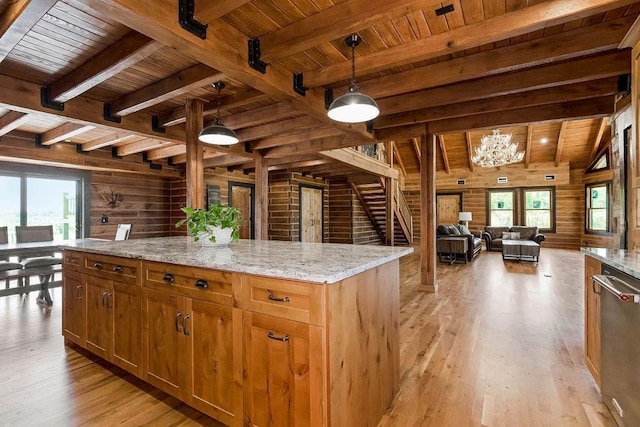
348,221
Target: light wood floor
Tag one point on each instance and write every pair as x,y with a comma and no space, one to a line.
500,344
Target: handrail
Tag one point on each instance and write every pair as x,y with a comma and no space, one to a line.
403,212
368,211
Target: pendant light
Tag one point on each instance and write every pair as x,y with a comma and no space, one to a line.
218,133
354,106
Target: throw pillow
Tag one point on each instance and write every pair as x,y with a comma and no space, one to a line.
453,230
515,235
464,229
506,235
443,230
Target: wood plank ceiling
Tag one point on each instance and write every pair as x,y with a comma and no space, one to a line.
541,70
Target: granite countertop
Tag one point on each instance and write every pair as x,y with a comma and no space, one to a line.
311,262
624,260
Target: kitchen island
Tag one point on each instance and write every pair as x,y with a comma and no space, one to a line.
255,333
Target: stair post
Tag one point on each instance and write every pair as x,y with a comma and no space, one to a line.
391,209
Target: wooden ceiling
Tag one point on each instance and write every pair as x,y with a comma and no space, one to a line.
536,69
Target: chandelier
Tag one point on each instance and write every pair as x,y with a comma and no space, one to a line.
497,150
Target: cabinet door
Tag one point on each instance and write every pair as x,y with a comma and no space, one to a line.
164,344
127,341
73,313
283,368
214,379
592,317
99,316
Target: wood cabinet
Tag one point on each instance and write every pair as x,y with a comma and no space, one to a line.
73,307
592,317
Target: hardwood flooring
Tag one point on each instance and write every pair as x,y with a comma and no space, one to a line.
500,344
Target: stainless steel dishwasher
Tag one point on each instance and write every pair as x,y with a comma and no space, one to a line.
620,344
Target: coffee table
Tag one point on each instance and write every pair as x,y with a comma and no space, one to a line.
521,250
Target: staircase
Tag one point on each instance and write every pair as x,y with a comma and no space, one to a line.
373,197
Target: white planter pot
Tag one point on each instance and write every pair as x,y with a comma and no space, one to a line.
222,236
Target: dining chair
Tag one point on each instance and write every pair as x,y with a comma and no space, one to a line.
122,232
5,264
37,233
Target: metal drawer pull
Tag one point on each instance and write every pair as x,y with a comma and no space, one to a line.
273,298
200,283
178,327
98,265
79,292
118,269
184,324
277,338
105,302
168,278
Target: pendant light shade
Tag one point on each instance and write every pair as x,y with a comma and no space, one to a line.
353,106
218,133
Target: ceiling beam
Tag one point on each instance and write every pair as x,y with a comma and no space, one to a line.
63,132
116,58
579,70
17,20
552,95
361,161
316,145
272,129
225,49
173,86
107,140
602,125
207,11
224,161
12,120
140,146
206,154
333,23
563,130
166,152
261,115
443,151
529,142
467,138
305,164
416,150
398,158
501,27
294,138
562,46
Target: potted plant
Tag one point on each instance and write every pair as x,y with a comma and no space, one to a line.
217,225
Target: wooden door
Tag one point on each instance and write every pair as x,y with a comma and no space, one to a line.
127,341
164,343
448,206
214,377
99,316
241,197
311,214
73,308
592,318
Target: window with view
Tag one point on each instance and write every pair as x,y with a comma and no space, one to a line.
539,209
598,210
501,207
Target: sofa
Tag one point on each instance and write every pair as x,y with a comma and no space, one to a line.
493,235
474,239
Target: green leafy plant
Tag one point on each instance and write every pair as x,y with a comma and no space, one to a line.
199,220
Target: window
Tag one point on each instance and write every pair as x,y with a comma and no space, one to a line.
501,205
539,208
598,208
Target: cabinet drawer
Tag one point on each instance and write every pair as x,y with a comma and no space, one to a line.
303,302
207,285
72,261
123,270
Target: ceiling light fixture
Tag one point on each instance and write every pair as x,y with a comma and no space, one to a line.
497,150
218,133
354,106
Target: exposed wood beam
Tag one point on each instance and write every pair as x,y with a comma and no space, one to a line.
602,125
166,152
428,212
107,140
261,199
296,158
12,120
224,161
580,70
571,44
315,145
140,146
65,131
207,153
194,173
207,11
563,130
124,53
24,96
527,153
398,158
361,161
225,49
17,20
443,151
333,23
416,149
180,149
305,164
283,126
258,116
295,138
178,84
553,95
467,137
501,27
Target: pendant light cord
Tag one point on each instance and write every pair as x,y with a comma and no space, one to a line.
219,104
353,64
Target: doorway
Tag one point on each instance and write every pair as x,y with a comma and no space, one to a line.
311,213
241,196
448,206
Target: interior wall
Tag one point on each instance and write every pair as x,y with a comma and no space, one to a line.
348,220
